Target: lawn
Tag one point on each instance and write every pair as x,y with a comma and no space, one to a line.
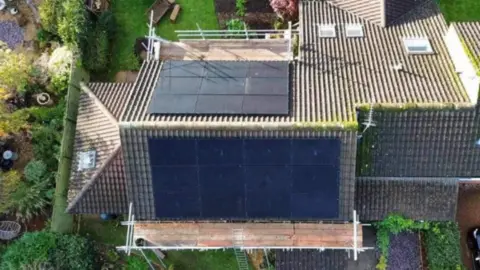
460,10
132,23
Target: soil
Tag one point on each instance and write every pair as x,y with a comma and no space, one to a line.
467,216
257,258
259,14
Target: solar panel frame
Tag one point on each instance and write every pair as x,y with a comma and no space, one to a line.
264,85
244,178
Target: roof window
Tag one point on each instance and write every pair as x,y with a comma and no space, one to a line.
354,30
326,30
86,160
417,45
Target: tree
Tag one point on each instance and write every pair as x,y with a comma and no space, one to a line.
285,9
71,25
14,70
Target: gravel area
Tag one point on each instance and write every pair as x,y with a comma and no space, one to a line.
11,33
404,252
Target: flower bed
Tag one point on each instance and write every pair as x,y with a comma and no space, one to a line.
404,252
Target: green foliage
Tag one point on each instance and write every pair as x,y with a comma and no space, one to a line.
136,263
235,25
45,115
59,84
396,224
46,141
12,123
112,255
49,13
382,263
96,47
35,171
443,247
14,70
30,199
71,26
9,182
63,251
240,7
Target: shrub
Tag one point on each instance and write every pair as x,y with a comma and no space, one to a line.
30,199
46,141
9,182
136,263
235,25
443,247
240,7
285,9
12,123
49,11
60,251
96,47
15,70
71,25
45,115
35,171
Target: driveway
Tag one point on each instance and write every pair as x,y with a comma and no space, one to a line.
468,215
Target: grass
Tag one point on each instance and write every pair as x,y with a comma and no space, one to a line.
108,232
202,260
460,10
132,24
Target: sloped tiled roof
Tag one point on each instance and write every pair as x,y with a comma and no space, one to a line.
102,189
138,170
470,34
415,198
336,74
422,144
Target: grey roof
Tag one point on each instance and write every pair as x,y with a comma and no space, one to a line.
469,32
336,74
421,144
101,189
137,160
415,198
308,259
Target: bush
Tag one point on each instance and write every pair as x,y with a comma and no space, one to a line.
50,11
35,171
71,25
240,6
9,182
12,123
46,141
15,70
45,115
136,263
96,47
443,247
285,9
235,25
59,251
30,199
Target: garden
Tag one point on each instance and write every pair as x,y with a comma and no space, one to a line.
406,244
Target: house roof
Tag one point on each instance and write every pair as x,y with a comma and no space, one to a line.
336,74
311,259
101,189
469,32
415,198
135,142
421,143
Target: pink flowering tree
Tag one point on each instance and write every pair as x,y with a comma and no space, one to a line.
285,9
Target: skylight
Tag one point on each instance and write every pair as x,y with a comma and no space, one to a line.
354,30
417,45
326,30
86,160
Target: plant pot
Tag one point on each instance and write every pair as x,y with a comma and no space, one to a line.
44,99
13,11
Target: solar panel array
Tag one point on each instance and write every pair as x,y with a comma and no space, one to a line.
226,178
222,87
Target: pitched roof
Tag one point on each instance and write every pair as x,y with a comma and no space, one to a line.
415,198
470,33
336,74
101,189
421,144
309,259
138,169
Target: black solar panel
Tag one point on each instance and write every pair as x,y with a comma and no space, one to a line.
234,178
222,87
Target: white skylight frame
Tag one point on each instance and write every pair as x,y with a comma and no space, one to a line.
327,31
86,160
353,30
418,45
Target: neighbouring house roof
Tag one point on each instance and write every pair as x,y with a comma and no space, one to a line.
415,198
334,75
310,259
101,189
469,32
248,235
421,144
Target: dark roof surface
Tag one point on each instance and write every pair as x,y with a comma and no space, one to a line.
138,166
415,198
308,259
287,179
421,144
469,32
